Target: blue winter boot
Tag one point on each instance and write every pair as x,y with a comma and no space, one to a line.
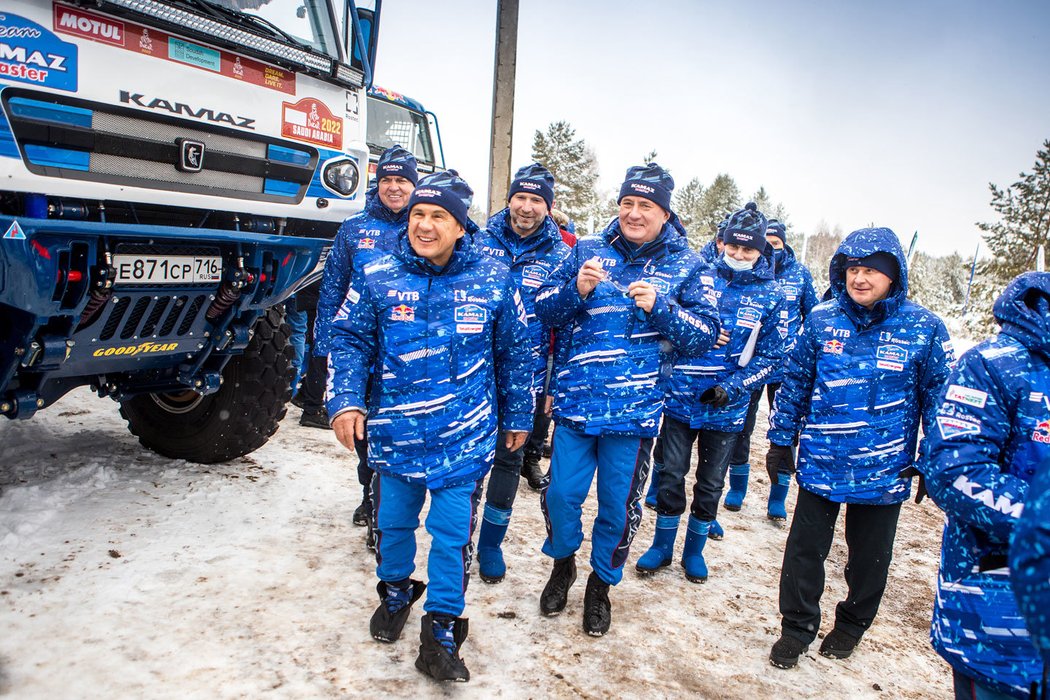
716,532
659,555
490,556
654,485
778,493
738,474
693,554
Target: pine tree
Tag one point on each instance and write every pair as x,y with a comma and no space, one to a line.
688,204
722,196
1013,241
575,170
772,210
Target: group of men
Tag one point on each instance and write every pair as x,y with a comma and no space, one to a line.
440,336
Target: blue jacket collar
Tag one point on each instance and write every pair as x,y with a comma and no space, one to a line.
374,207
464,254
669,240
545,237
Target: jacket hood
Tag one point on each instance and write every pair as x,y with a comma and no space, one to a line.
788,261
1023,311
498,226
463,254
860,244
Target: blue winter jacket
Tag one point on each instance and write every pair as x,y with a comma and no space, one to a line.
1030,562
531,260
992,435
797,284
857,383
364,236
748,302
609,357
710,252
452,348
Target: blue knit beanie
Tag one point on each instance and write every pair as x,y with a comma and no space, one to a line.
649,182
722,227
776,228
884,262
447,190
746,227
398,162
534,179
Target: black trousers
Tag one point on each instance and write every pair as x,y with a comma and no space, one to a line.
313,386
870,530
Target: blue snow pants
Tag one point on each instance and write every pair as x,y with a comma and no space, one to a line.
450,522
622,464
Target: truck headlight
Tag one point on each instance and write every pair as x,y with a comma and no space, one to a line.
341,176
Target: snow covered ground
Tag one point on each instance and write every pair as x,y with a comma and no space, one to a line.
127,575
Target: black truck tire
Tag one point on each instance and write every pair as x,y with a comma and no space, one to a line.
237,419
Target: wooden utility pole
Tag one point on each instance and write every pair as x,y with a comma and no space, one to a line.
503,103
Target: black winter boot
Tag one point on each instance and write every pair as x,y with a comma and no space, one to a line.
530,469
440,639
395,603
363,513
556,592
838,644
597,612
786,650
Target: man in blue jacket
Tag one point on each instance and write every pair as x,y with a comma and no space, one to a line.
362,237
709,392
1030,569
627,298
797,284
369,233
445,329
992,438
865,372
525,237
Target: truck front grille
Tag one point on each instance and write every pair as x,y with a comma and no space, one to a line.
60,136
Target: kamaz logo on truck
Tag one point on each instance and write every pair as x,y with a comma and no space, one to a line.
159,103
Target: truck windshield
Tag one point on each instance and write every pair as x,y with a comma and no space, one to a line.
390,124
307,22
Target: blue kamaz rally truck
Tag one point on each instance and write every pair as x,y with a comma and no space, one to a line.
170,172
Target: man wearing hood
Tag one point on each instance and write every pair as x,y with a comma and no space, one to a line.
797,284
709,392
991,444
627,298
446,329
863,375
362,237
525,237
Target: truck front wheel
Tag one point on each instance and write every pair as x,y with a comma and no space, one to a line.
237,419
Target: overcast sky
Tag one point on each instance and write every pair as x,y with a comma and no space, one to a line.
893,113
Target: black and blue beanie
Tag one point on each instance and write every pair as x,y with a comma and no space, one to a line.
534,179
649,182
778,229
722,227
885,263
746,227
446,190
397,162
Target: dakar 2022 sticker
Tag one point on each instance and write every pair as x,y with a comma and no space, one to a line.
31,54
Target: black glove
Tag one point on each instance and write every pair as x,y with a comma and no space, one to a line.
715,397
920,492
779,460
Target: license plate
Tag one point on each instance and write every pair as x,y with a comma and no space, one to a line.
168,269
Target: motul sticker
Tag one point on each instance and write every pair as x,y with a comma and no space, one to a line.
69,20
310,120
14,233
967,396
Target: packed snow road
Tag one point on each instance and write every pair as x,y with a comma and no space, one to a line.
128,575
